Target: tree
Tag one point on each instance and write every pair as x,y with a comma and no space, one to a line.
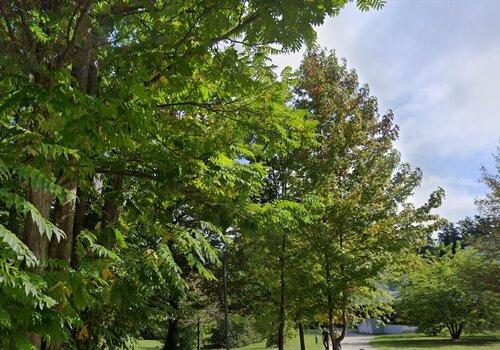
488,226
490,204
368,222
123,126
453,291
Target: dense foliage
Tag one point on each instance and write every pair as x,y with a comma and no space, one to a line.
123,129
454,284
337,212
455,291
158,179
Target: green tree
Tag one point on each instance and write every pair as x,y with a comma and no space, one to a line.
122,129
488,226
454,291
368,221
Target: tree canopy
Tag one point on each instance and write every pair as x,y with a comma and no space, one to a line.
142,142
455,291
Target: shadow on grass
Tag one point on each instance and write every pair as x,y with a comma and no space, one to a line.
419,341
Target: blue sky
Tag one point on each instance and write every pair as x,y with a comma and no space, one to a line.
436,63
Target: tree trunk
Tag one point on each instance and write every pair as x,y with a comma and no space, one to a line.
301,336
113,204
12,220
64,215
198,329
113,201
281,321
331,325
456,332
224,297
78,222
172,340
337,341
37,241
83,62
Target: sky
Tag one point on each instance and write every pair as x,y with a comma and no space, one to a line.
436,64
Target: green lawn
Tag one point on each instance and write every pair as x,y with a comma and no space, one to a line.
148,345
422,342
292,344
381,342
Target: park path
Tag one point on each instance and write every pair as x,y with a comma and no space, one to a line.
354,341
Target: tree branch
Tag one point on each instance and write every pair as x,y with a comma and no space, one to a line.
77,31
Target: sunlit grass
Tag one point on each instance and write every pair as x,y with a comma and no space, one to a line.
422,342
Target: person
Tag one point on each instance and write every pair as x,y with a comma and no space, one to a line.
326,336
316,337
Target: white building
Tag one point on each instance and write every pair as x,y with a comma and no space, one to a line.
375,326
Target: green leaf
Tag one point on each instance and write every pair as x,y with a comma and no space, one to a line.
18,247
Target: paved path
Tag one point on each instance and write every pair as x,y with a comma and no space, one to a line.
354,341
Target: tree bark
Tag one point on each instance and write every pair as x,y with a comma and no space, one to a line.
301,336
113,201
78,222
64,216
33,238
37,241
113,204
198,329
331,325
172,340
224,298
336,342
83,62
281,321
456,332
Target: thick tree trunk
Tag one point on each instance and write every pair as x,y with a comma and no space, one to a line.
83,62
224,299
281,321
36,241
64,216
172,340
301,337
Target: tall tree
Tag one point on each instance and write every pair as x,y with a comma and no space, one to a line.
368,220
122,126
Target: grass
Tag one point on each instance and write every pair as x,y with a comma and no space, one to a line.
292,344
380,342
148,345
422,342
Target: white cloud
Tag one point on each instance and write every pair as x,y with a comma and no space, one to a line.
454,108
459,200
437,65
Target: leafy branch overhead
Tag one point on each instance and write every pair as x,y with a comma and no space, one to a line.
157,178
